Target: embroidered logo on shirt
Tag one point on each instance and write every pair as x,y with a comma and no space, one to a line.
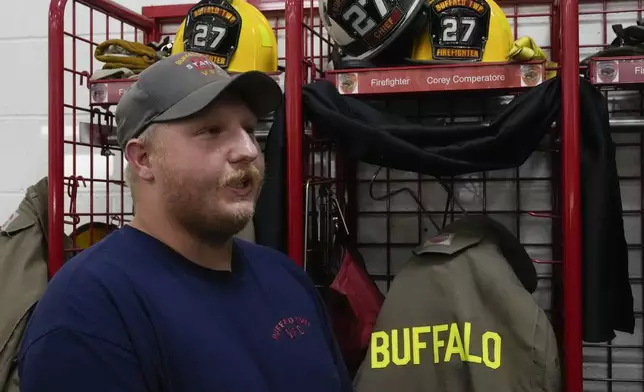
292,327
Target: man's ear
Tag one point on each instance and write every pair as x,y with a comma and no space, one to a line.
138,156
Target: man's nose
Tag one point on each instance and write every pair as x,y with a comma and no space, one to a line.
244,147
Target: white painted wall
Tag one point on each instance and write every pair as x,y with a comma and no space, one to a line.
24,96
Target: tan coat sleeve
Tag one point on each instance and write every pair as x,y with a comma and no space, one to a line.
23,279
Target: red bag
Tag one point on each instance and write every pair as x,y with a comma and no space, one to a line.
354,303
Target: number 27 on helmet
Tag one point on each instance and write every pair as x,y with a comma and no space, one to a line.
232,33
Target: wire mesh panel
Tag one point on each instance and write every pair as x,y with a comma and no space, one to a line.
88,196
85,172
618,365
391,212
396,210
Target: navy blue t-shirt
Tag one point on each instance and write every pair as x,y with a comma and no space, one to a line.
131,314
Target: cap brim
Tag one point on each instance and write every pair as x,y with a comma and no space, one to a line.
260,92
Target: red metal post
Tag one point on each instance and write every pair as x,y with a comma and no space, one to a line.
56,203
571,215
294,129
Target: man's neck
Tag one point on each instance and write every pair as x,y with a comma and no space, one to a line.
211,256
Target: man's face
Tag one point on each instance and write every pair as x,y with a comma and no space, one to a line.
209,169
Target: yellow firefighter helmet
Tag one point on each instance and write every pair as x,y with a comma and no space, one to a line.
463,30
232,33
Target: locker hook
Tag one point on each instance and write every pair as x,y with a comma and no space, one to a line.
72,190
326,191
450,197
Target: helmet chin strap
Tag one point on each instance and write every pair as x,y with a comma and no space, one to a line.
346,62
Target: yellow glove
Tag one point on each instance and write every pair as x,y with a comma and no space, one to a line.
118,53
525,49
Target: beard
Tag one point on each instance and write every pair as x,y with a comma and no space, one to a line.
197,205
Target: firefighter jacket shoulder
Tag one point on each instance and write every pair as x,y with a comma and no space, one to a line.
23,275
460,317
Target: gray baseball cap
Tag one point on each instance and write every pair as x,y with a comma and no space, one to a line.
181,85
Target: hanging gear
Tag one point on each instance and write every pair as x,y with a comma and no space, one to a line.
374,137
460,316
353,299
629,41
354,302
119,53
526,49
232,33
364,28
467,30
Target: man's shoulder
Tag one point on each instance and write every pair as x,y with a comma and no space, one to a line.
92,265
82,273
255,250
88,301
268,256
87,287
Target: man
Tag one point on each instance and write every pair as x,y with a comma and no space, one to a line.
171,302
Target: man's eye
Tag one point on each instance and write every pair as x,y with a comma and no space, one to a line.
208,131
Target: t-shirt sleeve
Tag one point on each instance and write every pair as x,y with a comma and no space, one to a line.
67,360
88,333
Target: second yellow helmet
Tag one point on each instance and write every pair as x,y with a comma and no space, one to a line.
463,30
